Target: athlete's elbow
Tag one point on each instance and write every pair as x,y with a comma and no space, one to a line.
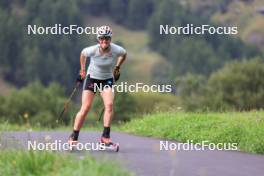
124,56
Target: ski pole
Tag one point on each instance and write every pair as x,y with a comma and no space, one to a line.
66,104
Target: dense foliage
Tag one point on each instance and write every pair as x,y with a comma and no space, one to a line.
236,86
25,58
190,60
36,105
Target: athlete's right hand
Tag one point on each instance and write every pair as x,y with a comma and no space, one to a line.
82,74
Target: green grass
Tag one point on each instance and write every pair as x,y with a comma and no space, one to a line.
155,102
244,128
54,164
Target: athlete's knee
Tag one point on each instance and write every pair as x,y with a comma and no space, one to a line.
84,110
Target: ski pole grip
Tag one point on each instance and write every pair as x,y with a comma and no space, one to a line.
79,79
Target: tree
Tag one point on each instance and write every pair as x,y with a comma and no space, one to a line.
26,58
238,85
138,13
193,53
96,8
194,56
190,89
162,16
118,10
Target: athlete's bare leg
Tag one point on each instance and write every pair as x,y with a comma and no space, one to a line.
87,99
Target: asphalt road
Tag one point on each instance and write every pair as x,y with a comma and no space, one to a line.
142,155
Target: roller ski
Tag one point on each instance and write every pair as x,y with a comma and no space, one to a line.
107,145
72,142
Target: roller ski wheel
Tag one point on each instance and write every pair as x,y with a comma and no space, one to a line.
109,146
72,144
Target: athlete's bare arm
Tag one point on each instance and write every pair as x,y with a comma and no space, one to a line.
120,60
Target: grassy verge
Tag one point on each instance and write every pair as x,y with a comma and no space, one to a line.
244,128
47,163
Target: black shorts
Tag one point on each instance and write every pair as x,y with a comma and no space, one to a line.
96,84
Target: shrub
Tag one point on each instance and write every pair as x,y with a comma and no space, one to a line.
36,105
238,85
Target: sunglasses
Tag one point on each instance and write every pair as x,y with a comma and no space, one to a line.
104,38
